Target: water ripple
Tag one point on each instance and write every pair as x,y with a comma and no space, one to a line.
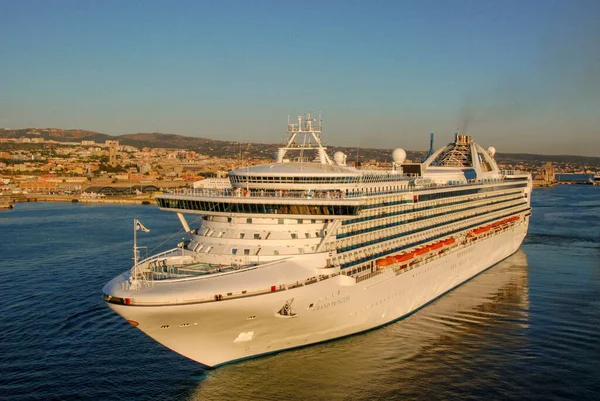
525,329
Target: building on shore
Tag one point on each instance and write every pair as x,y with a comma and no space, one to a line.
547,178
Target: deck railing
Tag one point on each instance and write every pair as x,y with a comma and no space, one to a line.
253,193
513,172
316,194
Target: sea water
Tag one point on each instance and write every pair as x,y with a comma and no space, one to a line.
528,328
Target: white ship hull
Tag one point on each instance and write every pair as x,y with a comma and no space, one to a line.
215,333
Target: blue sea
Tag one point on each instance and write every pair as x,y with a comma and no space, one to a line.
528,328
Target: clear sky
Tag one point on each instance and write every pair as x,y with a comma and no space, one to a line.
523,75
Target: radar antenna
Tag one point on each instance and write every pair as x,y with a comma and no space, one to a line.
307,130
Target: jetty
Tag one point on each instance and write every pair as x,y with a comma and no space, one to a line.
124,200
5,202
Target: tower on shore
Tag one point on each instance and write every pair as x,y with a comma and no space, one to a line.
113,146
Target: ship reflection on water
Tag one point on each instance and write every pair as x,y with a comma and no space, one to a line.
442,343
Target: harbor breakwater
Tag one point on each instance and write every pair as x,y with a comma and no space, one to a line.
126,200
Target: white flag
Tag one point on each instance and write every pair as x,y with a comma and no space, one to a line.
140,226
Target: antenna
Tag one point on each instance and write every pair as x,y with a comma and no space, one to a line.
240,143
321,118
307,130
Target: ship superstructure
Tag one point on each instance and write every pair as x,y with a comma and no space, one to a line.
308,248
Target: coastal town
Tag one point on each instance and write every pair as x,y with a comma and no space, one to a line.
36,169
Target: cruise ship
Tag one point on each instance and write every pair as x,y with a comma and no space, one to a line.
309,249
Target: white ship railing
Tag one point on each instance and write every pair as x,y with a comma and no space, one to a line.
315,194
253,193
513,172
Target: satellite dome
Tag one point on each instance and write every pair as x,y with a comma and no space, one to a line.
339,158
491,151
399,155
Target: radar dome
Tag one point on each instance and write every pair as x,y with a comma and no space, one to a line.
399,155
339,158
491,151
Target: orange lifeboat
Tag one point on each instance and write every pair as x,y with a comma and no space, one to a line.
422,251
449,241
437,245
405,257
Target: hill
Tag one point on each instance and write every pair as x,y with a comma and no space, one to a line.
213,147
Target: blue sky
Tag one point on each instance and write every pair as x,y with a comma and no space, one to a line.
523,76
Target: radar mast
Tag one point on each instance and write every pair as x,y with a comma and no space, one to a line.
301,139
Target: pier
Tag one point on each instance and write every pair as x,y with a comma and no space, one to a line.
124,200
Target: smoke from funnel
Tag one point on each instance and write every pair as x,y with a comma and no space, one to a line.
560,90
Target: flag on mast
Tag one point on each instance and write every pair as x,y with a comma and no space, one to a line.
140,226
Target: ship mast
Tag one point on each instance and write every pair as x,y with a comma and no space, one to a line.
301,136
135,249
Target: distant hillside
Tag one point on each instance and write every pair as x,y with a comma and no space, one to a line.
56,134
157,140
531,158
218,148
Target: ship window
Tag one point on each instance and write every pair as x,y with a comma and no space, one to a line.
229,219
300,250
233,251
307,235
249,221
313,221
300,221
279,221
246,251
294,236
256,236
275,252
242,235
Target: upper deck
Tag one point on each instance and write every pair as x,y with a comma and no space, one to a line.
326,187
325,203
